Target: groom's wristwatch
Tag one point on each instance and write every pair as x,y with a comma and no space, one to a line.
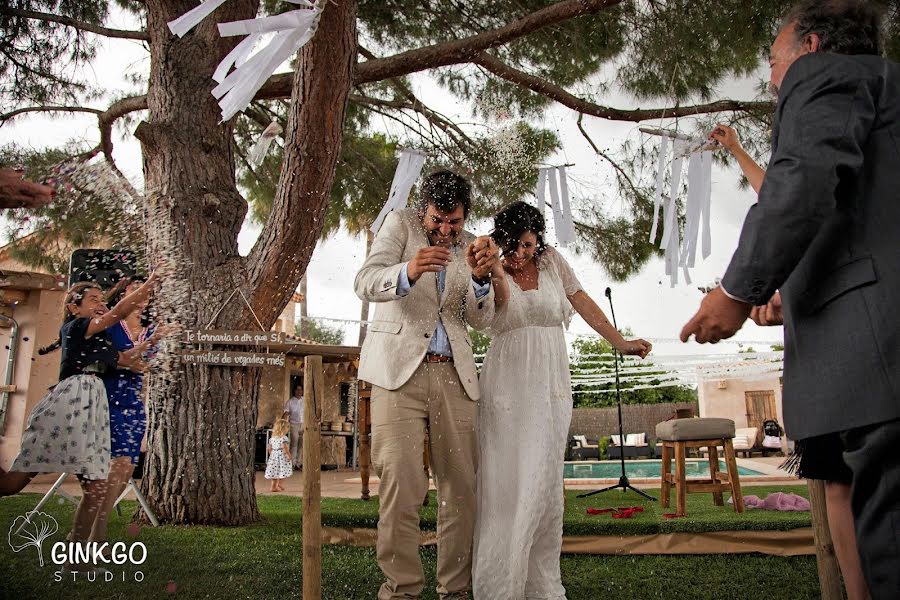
483,281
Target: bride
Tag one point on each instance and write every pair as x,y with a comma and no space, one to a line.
526,406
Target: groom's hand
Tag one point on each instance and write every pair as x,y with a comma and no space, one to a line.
428,259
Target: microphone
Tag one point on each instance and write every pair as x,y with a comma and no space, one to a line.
609,293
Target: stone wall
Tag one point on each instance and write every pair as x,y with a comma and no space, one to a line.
636,418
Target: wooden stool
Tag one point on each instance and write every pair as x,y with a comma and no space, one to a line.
679,434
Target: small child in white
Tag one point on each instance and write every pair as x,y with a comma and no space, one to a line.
278,465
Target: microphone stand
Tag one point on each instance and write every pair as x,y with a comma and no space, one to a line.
624,483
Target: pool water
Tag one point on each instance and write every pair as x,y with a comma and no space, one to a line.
640,468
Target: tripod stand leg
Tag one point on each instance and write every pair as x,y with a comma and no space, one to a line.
44,500
143,502
606,489
640,493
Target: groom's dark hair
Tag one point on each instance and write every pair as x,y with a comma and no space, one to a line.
445,190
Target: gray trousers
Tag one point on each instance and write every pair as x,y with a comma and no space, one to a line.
872,454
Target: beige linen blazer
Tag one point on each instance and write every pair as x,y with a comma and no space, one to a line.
402,328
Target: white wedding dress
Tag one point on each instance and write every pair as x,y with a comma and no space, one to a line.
526,407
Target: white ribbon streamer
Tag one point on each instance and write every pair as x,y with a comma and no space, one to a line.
707,203
292,30
261,147
660,179
408,169
556,209
567,221
560,208
192,18
541,187
670,213
682,252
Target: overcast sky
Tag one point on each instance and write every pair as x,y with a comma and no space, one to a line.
646,303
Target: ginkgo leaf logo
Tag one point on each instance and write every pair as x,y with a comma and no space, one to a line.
32,530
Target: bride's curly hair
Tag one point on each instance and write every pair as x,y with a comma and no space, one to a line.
514,220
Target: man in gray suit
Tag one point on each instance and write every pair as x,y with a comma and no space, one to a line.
430,279
825,232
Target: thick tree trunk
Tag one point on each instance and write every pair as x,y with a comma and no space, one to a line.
202,419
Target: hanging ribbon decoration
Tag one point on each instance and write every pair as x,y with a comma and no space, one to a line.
563,223
409,167
681,253
261,147
292,30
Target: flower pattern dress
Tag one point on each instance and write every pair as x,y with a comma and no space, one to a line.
68,430
278,466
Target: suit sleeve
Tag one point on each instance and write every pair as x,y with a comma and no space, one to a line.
378,278
827,112
479,310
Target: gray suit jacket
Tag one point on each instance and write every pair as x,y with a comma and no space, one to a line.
826,232
401,331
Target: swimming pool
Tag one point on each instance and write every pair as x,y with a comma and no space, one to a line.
640,468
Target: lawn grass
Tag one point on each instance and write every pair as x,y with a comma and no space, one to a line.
263,560
702,514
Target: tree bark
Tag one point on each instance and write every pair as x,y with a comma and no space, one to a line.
202,420
313,137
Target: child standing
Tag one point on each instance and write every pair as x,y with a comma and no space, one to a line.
278,465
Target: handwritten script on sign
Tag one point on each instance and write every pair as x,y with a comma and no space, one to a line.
242,338
233,359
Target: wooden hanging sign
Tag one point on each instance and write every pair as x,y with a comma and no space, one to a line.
233,337
233,359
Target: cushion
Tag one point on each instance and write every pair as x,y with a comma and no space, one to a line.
742,442
695,429
582,440
636,439
745,438
615,440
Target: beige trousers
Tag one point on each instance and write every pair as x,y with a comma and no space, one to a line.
297,444
433,398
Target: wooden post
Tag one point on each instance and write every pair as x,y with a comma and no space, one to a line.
313,393
364,429
830,585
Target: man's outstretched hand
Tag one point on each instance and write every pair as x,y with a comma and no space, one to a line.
719,318
16,192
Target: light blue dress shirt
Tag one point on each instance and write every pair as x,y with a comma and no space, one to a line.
440,343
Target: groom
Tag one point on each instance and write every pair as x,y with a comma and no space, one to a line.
418,357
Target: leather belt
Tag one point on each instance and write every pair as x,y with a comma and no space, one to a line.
438,358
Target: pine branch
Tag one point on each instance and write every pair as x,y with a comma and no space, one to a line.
117,110
464,50
80,25
453,52
606,157
37,109
554,92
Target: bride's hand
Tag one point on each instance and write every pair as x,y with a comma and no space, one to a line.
636,348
